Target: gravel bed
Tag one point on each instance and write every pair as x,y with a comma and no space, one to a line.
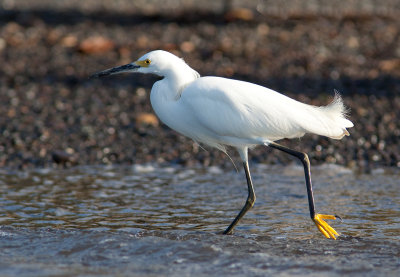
51,114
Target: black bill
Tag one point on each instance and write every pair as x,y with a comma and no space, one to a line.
115,70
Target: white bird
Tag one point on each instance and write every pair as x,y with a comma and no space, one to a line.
222,112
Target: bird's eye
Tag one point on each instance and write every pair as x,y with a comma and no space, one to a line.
147,61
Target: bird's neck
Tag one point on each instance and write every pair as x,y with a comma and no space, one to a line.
165,95
175,81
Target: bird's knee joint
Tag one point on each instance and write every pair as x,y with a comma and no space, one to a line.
251,200
304,158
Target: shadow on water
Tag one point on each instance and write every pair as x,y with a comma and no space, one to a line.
147,221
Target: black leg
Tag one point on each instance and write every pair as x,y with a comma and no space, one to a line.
318,219
307,172
251,198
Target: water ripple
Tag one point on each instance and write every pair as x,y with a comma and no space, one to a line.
168,221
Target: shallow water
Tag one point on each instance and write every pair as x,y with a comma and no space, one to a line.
153,221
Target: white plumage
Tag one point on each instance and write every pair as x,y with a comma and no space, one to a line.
221,112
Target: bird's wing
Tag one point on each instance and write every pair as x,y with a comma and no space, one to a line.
239,109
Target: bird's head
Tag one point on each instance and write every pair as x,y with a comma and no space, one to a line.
157,62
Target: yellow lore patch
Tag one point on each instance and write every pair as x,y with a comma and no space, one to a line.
144,63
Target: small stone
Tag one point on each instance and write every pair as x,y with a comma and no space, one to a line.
69,41
63,157
239,14
187,46
96,45
389,65
147,119
3,44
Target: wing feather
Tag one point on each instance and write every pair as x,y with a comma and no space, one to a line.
240,109
231,108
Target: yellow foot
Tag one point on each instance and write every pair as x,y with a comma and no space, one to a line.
324,227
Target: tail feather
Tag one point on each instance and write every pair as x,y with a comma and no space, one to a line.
330,120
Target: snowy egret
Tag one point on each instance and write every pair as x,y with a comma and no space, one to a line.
221,112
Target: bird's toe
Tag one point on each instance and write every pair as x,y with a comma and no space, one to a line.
324,227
